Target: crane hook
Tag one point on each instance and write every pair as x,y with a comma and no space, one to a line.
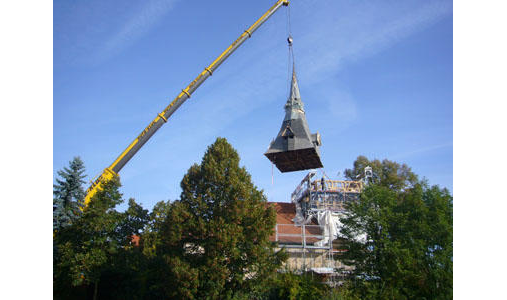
289,40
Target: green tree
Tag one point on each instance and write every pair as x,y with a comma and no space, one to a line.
133,222
154,272
215,239
408,225
87,245
385,173
122,277
296,287
68,193
151,235
155,275
97,247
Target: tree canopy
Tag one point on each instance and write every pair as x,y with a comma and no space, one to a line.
213,242
68,193
216,237
97,247
385,173
408,224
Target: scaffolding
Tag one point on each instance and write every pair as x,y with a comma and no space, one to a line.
305,254
311,240
312,196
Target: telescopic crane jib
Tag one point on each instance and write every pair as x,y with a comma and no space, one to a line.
112,171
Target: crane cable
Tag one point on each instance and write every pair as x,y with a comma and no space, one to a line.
290,58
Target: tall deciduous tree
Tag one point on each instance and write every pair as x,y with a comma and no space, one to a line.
408,224
151,235
216,237
385,173
155,272
89,243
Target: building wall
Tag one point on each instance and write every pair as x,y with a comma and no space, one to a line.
287,233
305,259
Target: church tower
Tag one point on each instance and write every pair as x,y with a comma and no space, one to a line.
295,148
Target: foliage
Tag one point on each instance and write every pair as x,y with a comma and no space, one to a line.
385,173
288,285
151,236
133,221
342,292
68,193
86,246
215,239
97,246
408,250
154,274
296,287
213,243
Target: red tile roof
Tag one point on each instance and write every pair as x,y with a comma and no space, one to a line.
134,239
285,212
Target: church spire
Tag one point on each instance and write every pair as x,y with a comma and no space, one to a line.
295,148
294,103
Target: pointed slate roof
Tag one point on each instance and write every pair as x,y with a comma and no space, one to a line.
294,104
295,148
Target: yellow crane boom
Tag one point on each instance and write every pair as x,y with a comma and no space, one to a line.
112,171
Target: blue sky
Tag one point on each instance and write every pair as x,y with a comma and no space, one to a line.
375,76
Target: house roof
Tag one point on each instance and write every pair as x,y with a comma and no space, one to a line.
134,239
286,229
285,212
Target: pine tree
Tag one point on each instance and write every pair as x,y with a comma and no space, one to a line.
216,237
68,193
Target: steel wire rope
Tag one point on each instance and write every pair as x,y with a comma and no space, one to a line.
290,54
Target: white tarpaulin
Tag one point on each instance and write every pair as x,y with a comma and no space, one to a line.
330,224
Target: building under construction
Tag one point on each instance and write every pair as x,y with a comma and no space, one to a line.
309,227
